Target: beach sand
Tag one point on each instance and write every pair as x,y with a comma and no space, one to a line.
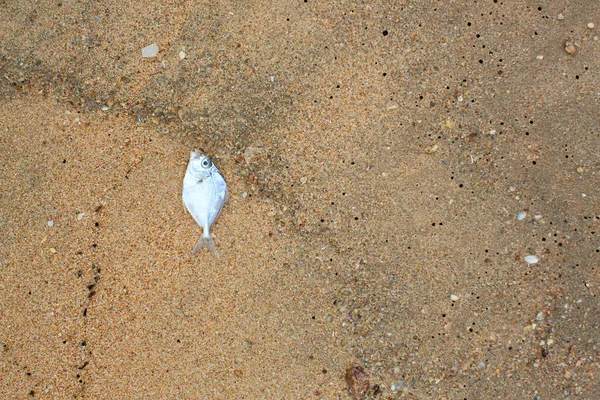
377,156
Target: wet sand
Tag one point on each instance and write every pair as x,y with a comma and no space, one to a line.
377,157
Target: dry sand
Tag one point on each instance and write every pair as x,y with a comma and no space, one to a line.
377,155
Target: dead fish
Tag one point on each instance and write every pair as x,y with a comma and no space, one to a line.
204,194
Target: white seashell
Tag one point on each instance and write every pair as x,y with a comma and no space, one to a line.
150,51
531,259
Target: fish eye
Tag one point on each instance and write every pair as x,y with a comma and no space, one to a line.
206,163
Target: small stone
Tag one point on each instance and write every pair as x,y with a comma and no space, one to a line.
238,373
80,216
384,174
539,316
244,195
590,25
303,180
105,108
531,259
521,216
50,224
432,149
561,17
272,78
570,47
579,170
454,297
357,381
549,342
52,250
540,57
182,55
150,51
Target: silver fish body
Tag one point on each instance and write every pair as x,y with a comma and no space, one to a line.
204,194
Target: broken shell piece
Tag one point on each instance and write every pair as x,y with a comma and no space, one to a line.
150,51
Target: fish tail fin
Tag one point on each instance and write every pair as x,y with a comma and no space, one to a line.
206,242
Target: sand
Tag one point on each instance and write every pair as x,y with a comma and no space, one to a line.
377,155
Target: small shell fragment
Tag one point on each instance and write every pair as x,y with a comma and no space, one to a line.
531,259
454,297
521,216
150,51
182,55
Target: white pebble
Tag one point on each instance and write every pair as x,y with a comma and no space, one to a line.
511,188
181,55
539,316
244,195
460,98
561,17
50,224
549,342
540,57
80,216
531,259
303,180
453,297
521,216
150,51
591,25
105,108
272,78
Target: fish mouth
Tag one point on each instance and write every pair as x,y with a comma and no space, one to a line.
196,154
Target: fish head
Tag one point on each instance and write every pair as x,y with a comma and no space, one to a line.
200,165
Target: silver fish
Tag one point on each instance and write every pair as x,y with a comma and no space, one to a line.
204,193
